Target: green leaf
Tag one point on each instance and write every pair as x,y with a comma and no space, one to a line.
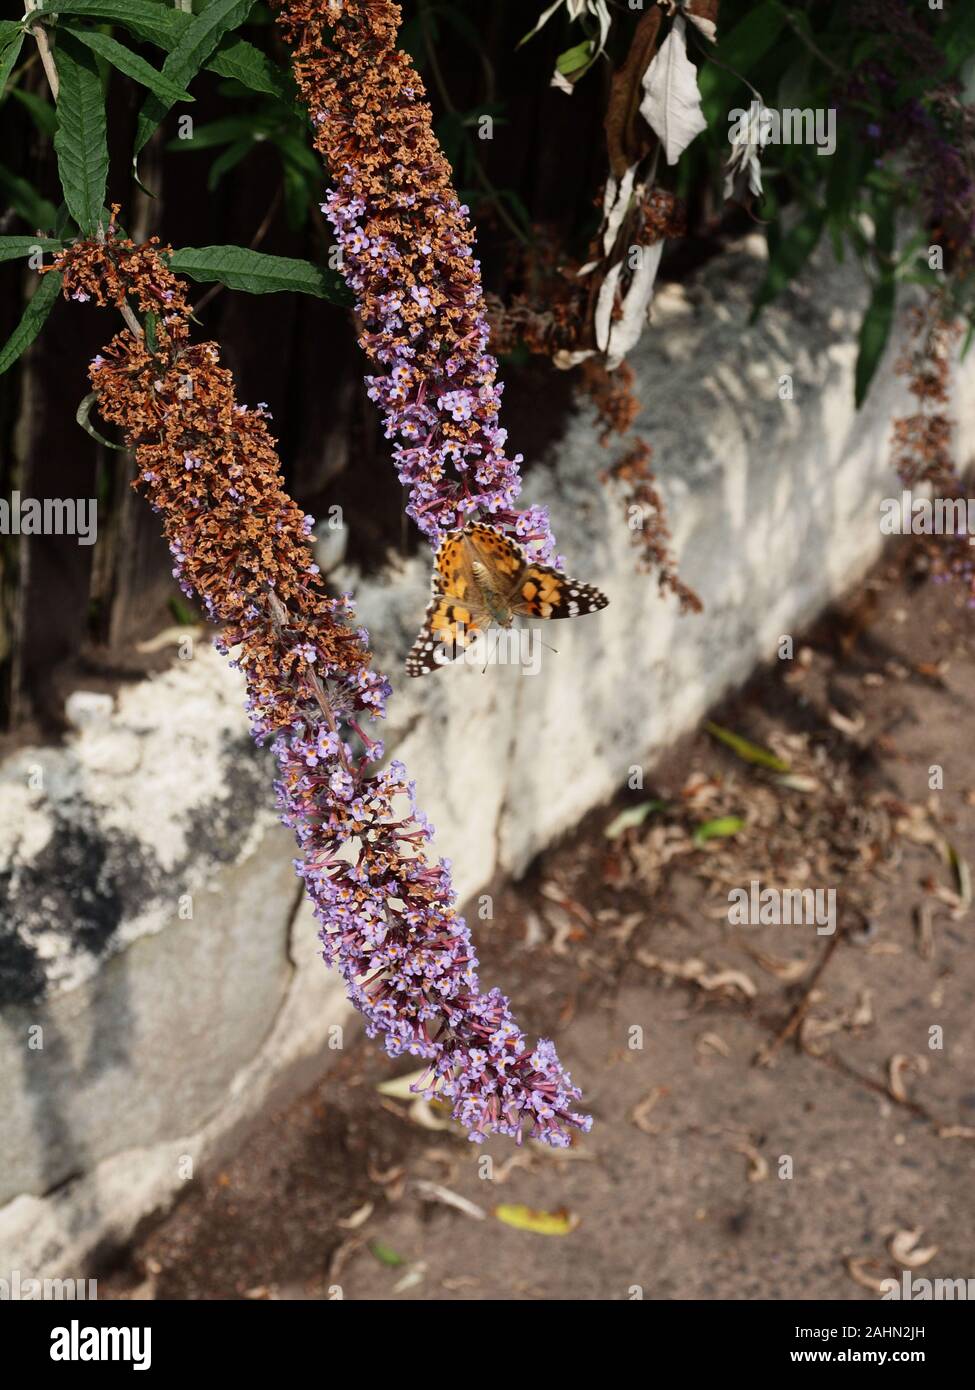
963,874
8,59
237,58
791,254
253,271
81,141
230,158
39,306
874,332
182,612
195,45
956,36
22,197
296,198
130,63
385,1255
631,817
747,751
9,30
574,59
220,132
234,57
42,112
13,248
739,49
145,18
719,829
846,171
83,415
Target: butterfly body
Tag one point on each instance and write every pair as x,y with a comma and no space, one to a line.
483,579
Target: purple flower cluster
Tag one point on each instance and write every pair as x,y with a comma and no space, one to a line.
440,396
389,925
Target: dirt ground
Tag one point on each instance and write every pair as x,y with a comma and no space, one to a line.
785,1125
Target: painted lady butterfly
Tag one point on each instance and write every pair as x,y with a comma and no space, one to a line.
482,579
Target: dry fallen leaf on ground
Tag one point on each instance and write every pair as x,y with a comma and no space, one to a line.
903,1247
540,1223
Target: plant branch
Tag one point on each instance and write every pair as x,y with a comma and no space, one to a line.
44,49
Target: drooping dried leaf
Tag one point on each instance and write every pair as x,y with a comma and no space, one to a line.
616,201
703,14
625,332
671,104
605,303
628,137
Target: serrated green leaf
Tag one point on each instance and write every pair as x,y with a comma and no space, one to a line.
194,47
746,750
146,19
241,269
39,306
81,141
9,29
130,63
14,248
874,332
83,417
8,58
237,58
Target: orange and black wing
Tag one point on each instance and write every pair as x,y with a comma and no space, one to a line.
449,623
544,592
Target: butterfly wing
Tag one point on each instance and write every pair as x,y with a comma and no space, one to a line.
531,590
501,559
480,561
544,592
451,617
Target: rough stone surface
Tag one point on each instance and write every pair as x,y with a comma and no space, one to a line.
163,1034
